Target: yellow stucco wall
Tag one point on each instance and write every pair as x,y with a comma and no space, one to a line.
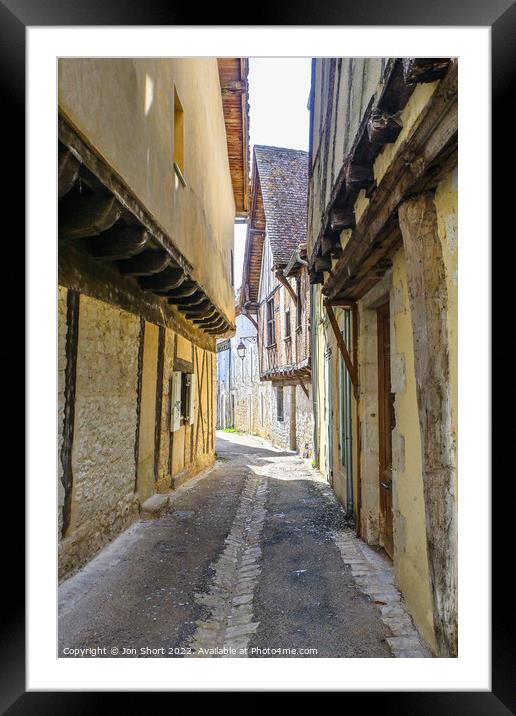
410,552
125,108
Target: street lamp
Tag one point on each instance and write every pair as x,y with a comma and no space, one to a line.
241,349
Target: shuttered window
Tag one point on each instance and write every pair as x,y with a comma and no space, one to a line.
279,404
271,333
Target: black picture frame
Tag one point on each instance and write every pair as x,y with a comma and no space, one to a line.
15,16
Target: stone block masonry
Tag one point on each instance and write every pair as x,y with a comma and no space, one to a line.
103,501
230,625
374,576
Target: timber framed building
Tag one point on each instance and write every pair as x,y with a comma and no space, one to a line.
382,244
153,168
275,289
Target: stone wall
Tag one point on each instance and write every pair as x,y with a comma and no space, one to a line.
304,421
120,376
103,500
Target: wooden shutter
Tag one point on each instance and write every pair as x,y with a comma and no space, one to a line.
175,402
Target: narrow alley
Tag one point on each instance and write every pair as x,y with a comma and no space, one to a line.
257,383
255,561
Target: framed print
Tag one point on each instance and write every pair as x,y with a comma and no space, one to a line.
271,355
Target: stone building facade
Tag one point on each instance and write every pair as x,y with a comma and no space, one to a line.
244,402
275,290
382,245
153,170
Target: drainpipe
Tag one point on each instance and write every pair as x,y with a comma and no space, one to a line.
354,314
300,260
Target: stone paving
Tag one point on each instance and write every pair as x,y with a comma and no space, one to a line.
237,571
252,559
374,575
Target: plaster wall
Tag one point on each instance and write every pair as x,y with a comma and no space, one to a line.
125,107
410,552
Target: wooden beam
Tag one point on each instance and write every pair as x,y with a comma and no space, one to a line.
222,327
200,322
359,176
87,216
428,299
330,246
235,87
187,288
285,282
68,171
249,318
303,386
118,243
70,368
145,263
211,314
341,219
97,167
352,369
164,281
218,322
204,309
430,140
322,263
426,69
383,128
199,310
193,300
316,277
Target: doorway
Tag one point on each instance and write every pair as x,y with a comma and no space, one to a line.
386,424
328,413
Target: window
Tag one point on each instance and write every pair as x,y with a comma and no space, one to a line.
271,333
279,404
287,324
179,144
299,309
182,399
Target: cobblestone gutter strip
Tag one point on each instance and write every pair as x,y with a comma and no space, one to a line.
375,578
230,624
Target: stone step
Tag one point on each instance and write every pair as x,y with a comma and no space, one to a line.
154,507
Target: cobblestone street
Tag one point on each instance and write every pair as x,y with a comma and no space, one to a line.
254,558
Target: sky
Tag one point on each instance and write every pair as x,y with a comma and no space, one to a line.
278,115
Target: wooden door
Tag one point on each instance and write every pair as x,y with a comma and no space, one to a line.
386,423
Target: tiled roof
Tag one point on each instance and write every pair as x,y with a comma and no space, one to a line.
284,184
